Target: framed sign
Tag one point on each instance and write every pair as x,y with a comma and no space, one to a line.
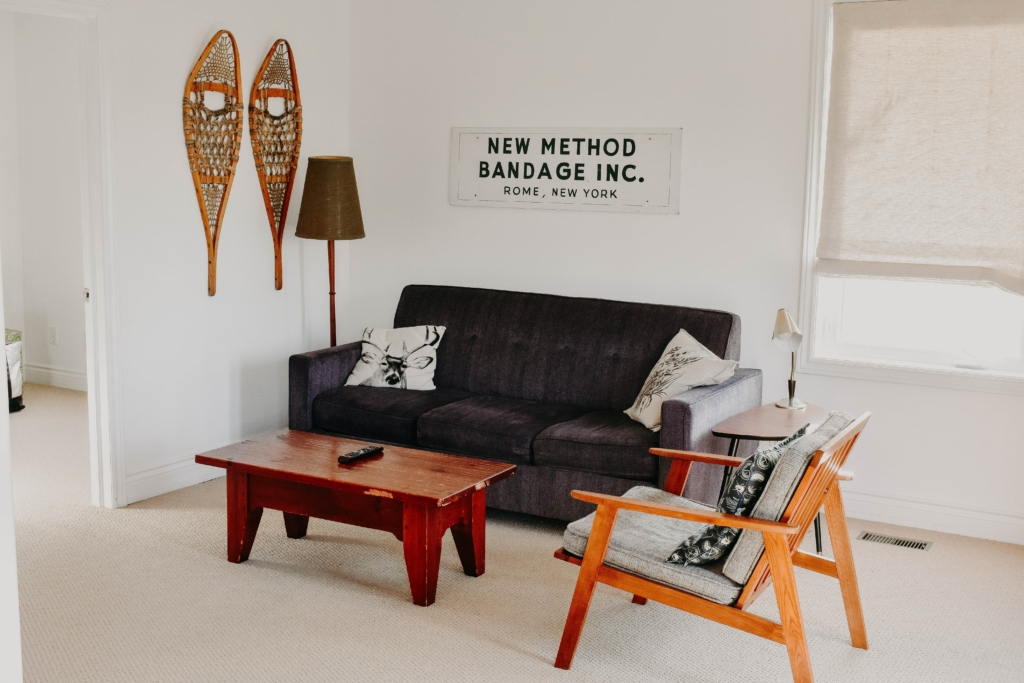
633,170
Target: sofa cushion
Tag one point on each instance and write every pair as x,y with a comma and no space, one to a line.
685,364
605,442
490,426
378,413
404,358
555,349
640,543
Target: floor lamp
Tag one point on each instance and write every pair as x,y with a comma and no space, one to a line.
330,211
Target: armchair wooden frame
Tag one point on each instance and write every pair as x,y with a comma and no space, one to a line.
818,487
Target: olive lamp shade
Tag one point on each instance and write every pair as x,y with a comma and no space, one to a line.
330,201
330,211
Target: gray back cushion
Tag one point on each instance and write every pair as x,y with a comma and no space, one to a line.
590,353
777,493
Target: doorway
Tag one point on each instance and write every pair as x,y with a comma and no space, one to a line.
53,219
41,233
41,249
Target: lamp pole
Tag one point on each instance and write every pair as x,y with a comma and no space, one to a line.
793,380
330,270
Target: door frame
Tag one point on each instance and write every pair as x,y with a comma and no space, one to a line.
107,476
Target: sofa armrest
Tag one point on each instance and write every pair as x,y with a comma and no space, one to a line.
310,374
687,421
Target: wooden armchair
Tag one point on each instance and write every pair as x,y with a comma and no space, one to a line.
817,487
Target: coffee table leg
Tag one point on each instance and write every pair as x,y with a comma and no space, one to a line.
295,525
470,537
243,520
422,539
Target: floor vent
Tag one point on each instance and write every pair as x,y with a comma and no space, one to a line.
893,540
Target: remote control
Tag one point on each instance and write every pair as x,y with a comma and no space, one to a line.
361,453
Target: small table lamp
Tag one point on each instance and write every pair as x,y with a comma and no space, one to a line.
787,336
330,211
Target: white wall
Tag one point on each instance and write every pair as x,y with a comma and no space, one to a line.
10,628
49,130
733,75
10,172
736,77
10,622
196,372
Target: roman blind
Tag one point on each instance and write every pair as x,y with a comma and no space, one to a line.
924,151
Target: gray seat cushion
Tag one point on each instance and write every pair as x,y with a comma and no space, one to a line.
641,542
604,442
378,413
781,486
490,427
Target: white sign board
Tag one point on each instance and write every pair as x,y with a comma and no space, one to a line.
634,170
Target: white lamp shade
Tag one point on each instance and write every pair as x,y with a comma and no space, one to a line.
787,335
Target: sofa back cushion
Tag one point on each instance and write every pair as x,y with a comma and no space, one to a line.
591,353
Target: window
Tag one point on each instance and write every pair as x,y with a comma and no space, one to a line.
929,325
918,217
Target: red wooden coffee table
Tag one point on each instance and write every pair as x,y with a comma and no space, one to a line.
416,495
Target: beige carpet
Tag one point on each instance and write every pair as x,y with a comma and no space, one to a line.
146,594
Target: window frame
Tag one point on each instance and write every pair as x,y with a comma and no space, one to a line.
807,363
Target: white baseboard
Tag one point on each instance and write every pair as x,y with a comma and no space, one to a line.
170,476
995,525
55,377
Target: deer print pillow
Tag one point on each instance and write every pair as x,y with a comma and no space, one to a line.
684,364
402,358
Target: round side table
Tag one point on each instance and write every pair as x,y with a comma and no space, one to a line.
768,423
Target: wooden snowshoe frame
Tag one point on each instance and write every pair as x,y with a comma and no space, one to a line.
276,138
213,136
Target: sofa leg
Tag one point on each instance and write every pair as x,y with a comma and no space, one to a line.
639,600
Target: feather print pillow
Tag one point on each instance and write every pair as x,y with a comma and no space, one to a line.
741,494
684,364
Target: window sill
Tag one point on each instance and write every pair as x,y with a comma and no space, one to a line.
961,380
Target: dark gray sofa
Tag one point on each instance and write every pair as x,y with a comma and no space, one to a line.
540,381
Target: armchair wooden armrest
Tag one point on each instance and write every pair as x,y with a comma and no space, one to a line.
709,458
681,462
680,470
726,460
674,511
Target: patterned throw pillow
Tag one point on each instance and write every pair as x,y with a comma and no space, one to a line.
403,358
684,364
741,494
